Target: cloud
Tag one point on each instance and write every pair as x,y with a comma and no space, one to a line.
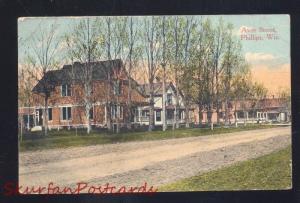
253,57
273,78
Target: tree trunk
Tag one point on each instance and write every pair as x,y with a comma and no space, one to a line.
177,109
217,97
226,113
45,119
108,102
235,120
176,117
118,108
164,100
151,109
129,110
187,116
209,118
108,116
245,118
118,116
235,116
200,115
87,115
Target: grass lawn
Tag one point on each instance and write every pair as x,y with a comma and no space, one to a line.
272,171
65,138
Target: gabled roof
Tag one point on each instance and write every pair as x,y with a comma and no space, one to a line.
75,72
266,103
158,90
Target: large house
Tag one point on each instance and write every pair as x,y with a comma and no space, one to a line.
66,101
142,113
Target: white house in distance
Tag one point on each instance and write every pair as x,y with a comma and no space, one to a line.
142,113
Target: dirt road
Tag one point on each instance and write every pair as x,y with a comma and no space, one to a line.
156,162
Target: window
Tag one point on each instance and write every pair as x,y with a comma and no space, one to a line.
65,90
170,114
66,113
137,113
116,111
182,114
133,112
92,113
145,113
240,114
120,112
49,114
252,114
158,115
117,87
169,99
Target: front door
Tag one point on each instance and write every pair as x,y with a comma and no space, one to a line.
39,117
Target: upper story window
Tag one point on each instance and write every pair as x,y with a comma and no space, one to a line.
169,99
92,113
65,90
117,87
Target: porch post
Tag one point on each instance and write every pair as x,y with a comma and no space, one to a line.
139,113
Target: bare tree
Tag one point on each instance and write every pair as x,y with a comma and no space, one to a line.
240,92
131,53
186,77
152,42
84,48
257,93
178,37
203,70
218,49
25,97
44,58
234,68
163,64
116,48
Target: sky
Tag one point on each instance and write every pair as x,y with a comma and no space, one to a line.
269,58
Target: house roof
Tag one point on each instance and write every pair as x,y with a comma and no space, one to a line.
76,72
266,103
158,90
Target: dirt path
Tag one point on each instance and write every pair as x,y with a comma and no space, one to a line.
156,162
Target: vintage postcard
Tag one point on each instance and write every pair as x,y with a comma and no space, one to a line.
111,104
